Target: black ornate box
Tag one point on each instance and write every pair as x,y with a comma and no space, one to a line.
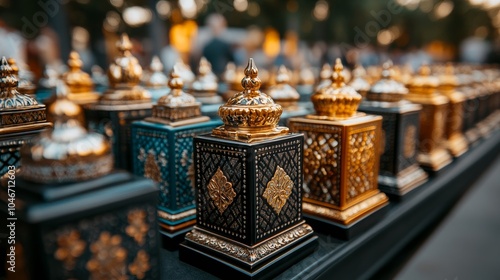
103,228
399,170
249,208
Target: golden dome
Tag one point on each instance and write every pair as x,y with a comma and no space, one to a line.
24,86
423,82
387,89
206,80
77,80
157,79
250,114
359,82
325,76
306,77
124,75
10,98
67,152
337,101
282,93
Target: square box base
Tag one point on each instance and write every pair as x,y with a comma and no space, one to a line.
225,266
404,183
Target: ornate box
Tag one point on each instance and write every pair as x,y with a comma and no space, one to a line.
399,170
74,217
341,159
248,179
21,118
456,142
433,154
162,148
124,102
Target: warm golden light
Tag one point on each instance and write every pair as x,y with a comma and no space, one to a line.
137,16
271,44
320,11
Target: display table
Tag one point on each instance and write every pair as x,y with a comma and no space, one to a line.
365,254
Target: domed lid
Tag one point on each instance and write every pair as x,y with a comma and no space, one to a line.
124,75
325,76
387,89
185,72
423,82
125,69
206,81
337,101
306,77
359,82
66,153
10,98
250,114
177,97
282,91
448,80
77,80
157,79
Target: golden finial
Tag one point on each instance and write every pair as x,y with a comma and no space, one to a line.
24,86
175,82
13,66
10,98
359,82
79,155
336,101
124,75
283,93
77,80
206,81
423,82
387,89
250,114
157,79
325,76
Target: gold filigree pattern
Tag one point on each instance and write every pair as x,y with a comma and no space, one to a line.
278,189
244,253
221,191
137,227
69,248
361,162
409,144
140,265
151,169
108,258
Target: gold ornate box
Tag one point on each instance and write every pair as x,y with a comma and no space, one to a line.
341,157
433,154
399,170
124,102
21,118
248,179
162,150
74,216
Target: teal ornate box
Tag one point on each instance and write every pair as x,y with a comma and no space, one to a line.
162,148
164,154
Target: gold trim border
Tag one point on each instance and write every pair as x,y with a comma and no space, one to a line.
175,217
249,254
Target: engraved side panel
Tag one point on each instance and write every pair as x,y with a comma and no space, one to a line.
362,175
409,130
231,162
389,146
184,166
322,157
278,166
150,151
121,244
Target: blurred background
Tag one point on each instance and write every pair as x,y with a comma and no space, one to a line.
297,33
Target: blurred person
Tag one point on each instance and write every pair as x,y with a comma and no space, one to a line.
252,47
475,49
47,45
217,51
13,44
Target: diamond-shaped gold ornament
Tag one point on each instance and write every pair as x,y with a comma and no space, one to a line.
221,191
278,189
